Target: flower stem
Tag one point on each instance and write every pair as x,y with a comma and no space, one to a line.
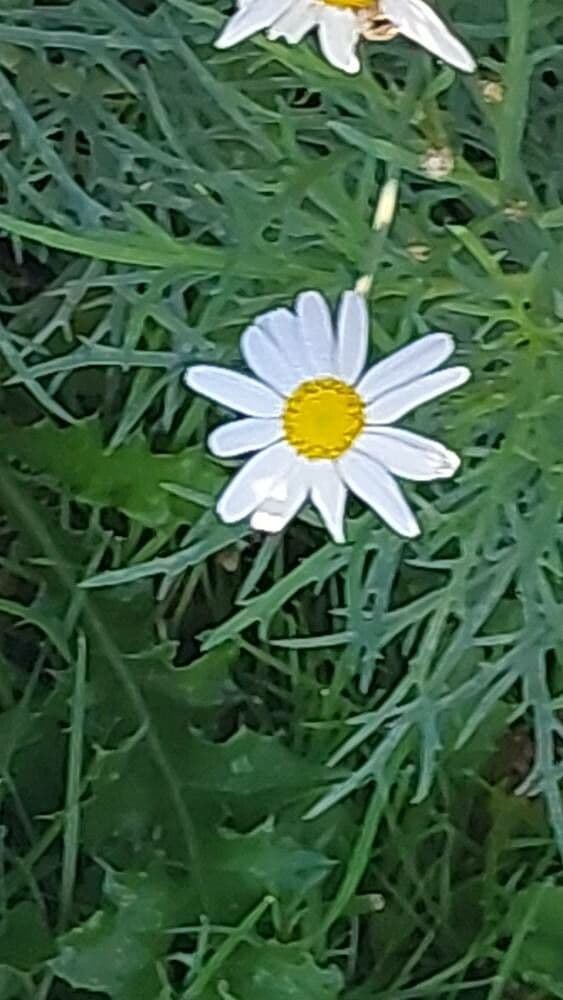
382,219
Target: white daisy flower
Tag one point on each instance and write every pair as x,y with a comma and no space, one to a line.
341,24
318,427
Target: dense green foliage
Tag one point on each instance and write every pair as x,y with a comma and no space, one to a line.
235,767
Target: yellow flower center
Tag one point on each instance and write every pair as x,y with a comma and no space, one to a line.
356,4
323,417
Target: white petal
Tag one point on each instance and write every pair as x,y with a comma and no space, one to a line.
284,328
417,21
257,480
339,33
251,18
268,360
237,392
377,488
294,24
409,455
317,334
352,337
393,405
282,504
403,366
328,494
242,436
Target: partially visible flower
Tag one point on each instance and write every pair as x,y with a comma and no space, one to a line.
492,91
517,211
438,163
317,426
341,24
419,252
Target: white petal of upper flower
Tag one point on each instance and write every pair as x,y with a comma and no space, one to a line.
249,19
328,494
316,330
403,366
417,21
267,359
339,33
394,404
283,503
257,480
235,391
294,24
243,436
352,337
371,482
409,455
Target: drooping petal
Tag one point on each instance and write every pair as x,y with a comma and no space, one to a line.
316,330
393,405
417,21
243,436
408,455
255,482
252,17
283,503
406,364
371,482
297,20
328,494
339,32
268,360
235,391
352,337
284,328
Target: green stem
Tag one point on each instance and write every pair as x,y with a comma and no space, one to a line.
71,835
220,956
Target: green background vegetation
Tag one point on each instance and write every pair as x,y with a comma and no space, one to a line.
236,767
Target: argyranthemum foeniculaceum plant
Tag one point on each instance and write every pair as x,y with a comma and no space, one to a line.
318,424
342,23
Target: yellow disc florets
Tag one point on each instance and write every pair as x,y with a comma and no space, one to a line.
323,417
